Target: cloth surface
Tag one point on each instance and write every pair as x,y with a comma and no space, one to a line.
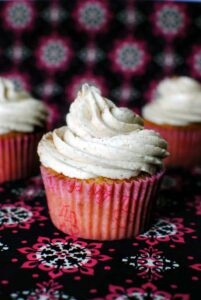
162,263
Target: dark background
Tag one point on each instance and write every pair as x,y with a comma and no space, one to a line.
124,47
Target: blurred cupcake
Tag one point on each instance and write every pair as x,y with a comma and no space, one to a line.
22,123
102,170
176,114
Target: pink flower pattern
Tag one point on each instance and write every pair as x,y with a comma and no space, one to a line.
67,255
166,230
49,290
129,56
19,15
53,53
145,291
170,20
92,15
19,215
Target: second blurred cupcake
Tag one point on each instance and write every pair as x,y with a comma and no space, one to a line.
176,114
22,123
101,171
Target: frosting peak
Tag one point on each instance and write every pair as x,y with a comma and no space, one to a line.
8,92
18,110
177,102
101,139
99,117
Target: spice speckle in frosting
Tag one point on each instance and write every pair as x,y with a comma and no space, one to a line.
101,139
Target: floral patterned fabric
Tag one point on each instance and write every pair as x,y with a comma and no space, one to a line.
39,262
124,47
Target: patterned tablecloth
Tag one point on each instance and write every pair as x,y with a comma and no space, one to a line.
39,262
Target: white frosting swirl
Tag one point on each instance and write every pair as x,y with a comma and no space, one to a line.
177,102
18,110
101,139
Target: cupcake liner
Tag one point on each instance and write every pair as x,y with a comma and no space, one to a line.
100,211
18,156
184,145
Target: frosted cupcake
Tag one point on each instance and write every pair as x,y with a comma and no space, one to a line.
22,123
176,114
101,171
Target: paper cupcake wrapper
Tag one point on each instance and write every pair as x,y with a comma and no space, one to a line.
18,156
184,145
100,211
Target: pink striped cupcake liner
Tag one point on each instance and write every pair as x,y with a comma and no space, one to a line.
100,211
184,145
18,156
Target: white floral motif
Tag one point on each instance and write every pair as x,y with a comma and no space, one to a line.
11,215
150,263
17,52
44,291
3,247
62,254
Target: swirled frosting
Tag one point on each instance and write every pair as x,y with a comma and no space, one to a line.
18,110
101,139
177,102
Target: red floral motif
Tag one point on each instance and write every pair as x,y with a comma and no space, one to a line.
129,56
67,255
19,215
49,290
92,15
145,291
195,61
19,15
89,78
196,267
195,205
165,230
54,53
150,263
170,20
198,205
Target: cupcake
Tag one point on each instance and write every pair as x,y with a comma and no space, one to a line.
22,123
101,171
176,114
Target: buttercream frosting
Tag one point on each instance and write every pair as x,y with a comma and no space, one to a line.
101,139
177,102
19,111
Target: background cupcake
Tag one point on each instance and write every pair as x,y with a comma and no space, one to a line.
22,123
176,114
102,170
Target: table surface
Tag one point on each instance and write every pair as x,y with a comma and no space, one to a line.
39,262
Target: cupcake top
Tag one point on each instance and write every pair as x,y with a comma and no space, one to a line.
18,110
101,139
177,102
